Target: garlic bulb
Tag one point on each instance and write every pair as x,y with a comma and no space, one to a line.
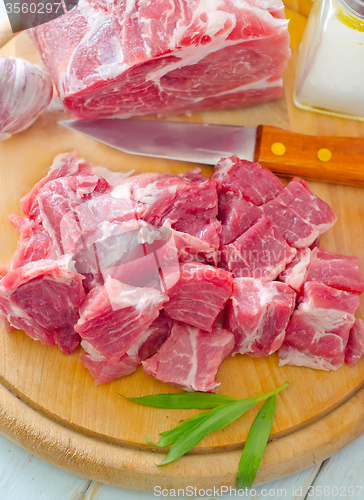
25,91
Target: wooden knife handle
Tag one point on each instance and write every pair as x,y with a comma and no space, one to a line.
330,159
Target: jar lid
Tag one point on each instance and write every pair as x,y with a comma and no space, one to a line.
357,6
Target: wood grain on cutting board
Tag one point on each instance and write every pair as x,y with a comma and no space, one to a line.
91,430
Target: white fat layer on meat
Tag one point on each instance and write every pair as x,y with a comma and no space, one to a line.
190,380
122,296
323,321
297,274
111,176
266,295
148,234
121,191
94,354
291,356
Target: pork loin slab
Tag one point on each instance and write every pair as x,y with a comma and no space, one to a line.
165,56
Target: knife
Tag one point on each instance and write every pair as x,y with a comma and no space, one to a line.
330,159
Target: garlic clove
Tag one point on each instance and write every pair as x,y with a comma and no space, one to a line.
25,91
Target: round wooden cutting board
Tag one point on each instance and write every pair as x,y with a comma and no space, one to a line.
48,401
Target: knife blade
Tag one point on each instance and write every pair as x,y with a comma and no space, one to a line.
323,158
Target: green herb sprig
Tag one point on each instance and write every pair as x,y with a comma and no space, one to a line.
225,410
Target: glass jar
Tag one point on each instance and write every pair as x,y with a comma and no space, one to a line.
330,70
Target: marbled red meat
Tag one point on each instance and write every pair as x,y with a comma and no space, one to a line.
34,242
258,314
236,216
190,204
300,215
102,371
339,271
318,331
42,298
261,252
255,183
295,273
355,346
165,56
200,295
115,316
190,358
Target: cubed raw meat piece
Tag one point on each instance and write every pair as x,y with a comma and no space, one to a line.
65,165
295,273
132,252
318,331
256,183
258,314
190,248
34,242
261,252
190,358
189,203
355,346
134,58
300,214
43,298
102,371
339,271
115,316
58,200
200,295
236,216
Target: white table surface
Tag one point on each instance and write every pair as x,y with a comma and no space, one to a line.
25,477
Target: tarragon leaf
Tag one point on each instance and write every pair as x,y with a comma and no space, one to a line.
183,401
255,444
169,437
214,420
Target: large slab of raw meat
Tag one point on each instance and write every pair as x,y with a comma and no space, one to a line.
165,56
355,346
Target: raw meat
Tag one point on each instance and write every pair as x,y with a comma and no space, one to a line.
199,296
57,202
339,271
355,347
318,331
102,371
132,252
295,273
115,316
254,182
42,298
190,358
189,203
34,242
300,214
258,314
190,248
165,56
236,216
261,252
65,165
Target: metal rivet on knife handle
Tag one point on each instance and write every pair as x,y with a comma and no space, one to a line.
278,148
324,154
